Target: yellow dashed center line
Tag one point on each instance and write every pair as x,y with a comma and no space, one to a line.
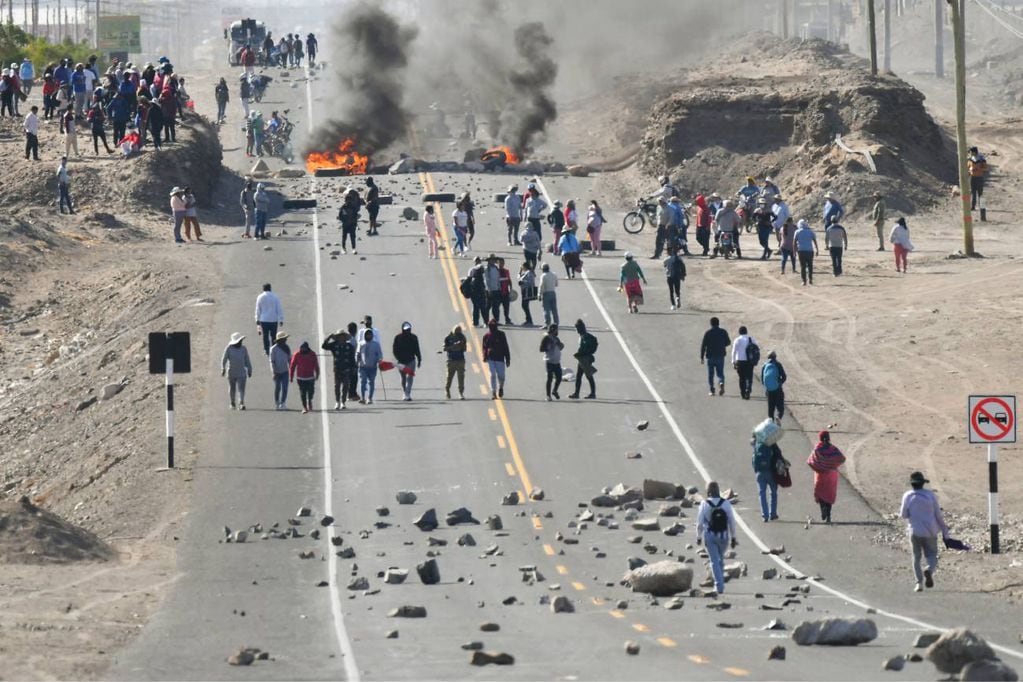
484,390
492,414
579,586
509,468
537,523
548,550
667,641
475,367
562,569
738,672
616,614
501,443
697,658
598,601
639,627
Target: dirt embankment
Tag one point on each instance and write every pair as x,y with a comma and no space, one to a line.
81,432
776,111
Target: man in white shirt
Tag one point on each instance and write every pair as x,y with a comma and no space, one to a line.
549,295
64,187
32,133
743,362
269,314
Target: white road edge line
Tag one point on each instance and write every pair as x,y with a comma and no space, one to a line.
702,470
344,642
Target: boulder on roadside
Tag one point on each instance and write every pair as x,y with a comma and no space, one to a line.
493,522
562,604
895,663
835,632
404,165
460,515
663,578
988,670
395,576
659,490
427,521
409,213
578,171
405,497
110,390
623,494
776,654
956,648
632,648
407,611
428,572
491,658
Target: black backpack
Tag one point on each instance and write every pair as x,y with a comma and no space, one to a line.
753,352
466,287
718,518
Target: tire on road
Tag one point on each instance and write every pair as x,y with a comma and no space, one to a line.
299,203
439,197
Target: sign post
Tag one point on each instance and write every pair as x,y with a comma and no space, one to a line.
170,351
992,420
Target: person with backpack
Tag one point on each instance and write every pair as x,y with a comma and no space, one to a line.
674,272
825,461
772,374
474,288
715,525
551,347
455,346
764,461
745,357
585,358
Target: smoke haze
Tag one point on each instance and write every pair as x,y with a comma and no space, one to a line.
531,108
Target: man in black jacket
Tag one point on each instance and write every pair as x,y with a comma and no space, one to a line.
344,365
406,352
715,344
585,358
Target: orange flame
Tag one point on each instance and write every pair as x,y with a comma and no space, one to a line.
344,156
510,156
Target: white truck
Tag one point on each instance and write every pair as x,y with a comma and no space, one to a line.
245,32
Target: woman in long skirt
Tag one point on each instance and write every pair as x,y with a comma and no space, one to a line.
825,461
631,274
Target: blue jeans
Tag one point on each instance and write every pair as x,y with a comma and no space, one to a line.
260,223
715,365
765,480
179,218
550,307
368,377
280,388
496,374
787,255
717,545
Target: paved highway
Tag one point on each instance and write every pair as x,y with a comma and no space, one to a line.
260,466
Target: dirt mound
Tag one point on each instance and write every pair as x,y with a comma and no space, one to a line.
109,183
30,535
777,109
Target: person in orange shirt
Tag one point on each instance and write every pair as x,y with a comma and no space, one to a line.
976,163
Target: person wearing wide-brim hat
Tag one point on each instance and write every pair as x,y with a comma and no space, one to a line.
178,207
280,361
343,352
235,365
921,509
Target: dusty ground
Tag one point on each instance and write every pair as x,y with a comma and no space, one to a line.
78,296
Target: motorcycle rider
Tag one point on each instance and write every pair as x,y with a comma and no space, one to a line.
679,237
770,189
748,195
764,220
727,220
667,190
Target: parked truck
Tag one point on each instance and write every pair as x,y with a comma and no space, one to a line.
245,32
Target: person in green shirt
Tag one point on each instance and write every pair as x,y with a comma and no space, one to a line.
631,274
585,357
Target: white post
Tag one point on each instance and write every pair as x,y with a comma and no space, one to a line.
170,413
992,496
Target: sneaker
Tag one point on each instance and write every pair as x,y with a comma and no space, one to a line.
928,578
556,396
232,406
337,406
407,398
305,410
548,398
774,517
592,396
369,402
672,306
574,396
500,392
721,389
343,406
362,401
493,396
461,396
711,393
918,588
241,406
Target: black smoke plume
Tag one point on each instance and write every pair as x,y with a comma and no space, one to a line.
370,56
531,109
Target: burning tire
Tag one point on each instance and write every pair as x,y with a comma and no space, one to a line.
439,197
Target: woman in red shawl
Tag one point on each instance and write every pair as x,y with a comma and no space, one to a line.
703,222
825,461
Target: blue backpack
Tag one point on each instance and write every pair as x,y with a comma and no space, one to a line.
771,376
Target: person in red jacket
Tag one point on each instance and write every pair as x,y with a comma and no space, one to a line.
305,368
704,217
498,356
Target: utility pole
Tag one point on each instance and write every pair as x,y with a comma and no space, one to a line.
96,32
872,36
939,39
785,19
959,47
887,36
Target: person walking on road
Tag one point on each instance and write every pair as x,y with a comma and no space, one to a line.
247,200
628,281
497,355
305,368
568,247
527,291
513,214
833,211
369,355
469,207
348,215
745,354
353,341
430,225
505,292
262,201
64,187
492,279
367,326
455,345
772,374
344,365
529,238
805,240
460,225
406,351
478,291
236,366
280,366
715,525
675,273
31,125
976,165
899,238
534,205
786,244
557,222
269,315
585,357
825,461
921,509
877,214
763,469
223,96
712,349
372,206
549,295
551,347
178,207
837,240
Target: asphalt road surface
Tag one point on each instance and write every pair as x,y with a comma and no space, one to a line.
260,466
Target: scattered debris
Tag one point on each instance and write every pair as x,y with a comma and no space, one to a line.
407,611
895,663
663,578
427,521
511,498
632,648
491,658
562,604
836,632
776,654
428,572
405,497
395,576
955,648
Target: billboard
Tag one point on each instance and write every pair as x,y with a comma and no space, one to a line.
120,33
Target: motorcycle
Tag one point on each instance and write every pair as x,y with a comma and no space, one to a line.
278,143
725,245
636,220
259,84
746,206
